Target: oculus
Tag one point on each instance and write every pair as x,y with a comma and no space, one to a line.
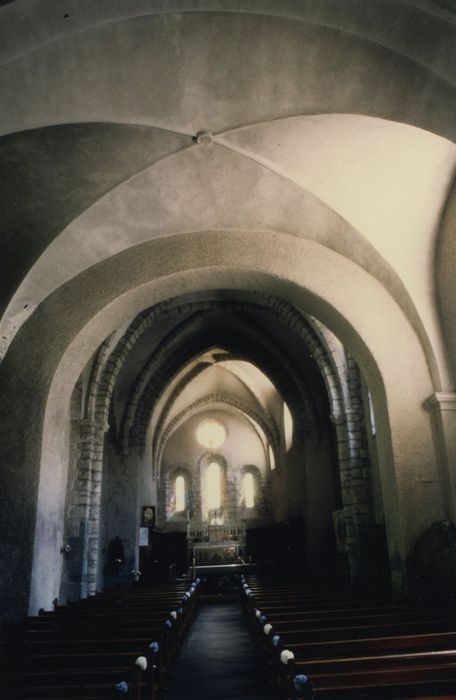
211,434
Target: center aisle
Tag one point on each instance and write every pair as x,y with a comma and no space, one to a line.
219,659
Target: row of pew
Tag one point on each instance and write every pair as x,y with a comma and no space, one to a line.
117,644
326,646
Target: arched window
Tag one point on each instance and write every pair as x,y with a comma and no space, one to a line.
287,426
179,492
371,414
248,488
271,457
214,486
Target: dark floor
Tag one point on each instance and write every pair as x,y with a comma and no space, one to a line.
219,659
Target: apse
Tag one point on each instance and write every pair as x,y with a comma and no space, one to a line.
217,447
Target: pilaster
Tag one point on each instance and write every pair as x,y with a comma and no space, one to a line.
442,407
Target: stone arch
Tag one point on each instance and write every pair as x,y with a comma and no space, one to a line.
267,306
269,431
160,415
157,373
289,270
296,211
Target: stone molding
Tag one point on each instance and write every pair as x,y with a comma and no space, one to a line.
217,398
441,401
262,303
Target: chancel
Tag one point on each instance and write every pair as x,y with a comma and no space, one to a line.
228,348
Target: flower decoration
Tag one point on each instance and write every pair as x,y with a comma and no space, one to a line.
276,640
168,624
286,656
141,661
187,594
245,585
173,614
263,619
258,614
154,647
304,686
267,628
180,611
122,687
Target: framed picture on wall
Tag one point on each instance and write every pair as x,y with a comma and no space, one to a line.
148,516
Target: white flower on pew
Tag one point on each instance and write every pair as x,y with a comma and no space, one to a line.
267,628
180,611
286,656
258,614
122,687
192,589
304,687
245,585
276,640
168,624
154,647
173,614
141,662
187,594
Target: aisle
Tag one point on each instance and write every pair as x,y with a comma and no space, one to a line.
219,659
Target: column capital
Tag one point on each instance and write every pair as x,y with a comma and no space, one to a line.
441,401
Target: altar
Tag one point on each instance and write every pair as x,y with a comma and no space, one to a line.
210,554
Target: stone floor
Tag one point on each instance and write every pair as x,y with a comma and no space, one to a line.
219,659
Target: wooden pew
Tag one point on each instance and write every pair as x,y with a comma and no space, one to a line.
84,649
352,649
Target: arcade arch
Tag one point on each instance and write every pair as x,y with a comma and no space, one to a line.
235,261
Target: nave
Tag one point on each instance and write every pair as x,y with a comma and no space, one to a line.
227,337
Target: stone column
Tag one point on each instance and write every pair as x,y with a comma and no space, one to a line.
95,507
442,407
75,577
355,487
82,525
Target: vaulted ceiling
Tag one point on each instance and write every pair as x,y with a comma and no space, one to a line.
125,122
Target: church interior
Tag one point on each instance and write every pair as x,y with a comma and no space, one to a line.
228,321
